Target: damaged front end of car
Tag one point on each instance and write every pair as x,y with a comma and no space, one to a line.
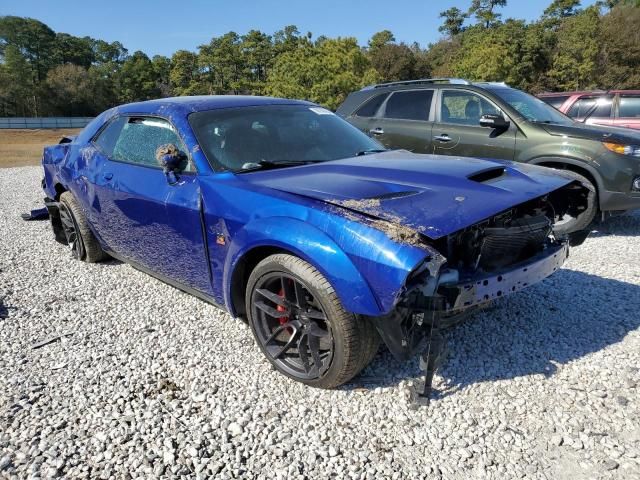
474,266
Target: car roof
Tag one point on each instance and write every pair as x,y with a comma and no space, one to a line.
586,92
190,104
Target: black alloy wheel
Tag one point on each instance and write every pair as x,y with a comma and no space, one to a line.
292,326
71,232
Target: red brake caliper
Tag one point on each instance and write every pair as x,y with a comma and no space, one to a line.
280,308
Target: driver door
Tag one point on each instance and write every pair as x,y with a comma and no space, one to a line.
142,216
458,131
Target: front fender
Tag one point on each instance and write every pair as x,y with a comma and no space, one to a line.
313,246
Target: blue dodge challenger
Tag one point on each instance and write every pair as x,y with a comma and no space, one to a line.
287,216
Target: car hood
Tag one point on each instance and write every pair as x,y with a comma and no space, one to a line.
433,194
599,133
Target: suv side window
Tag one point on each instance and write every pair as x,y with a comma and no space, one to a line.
141,136
410,105
629,106
464,108
583,106
371,106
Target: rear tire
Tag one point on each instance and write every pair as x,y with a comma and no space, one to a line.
291,304
83,243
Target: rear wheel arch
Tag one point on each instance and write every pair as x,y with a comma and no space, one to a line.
59,189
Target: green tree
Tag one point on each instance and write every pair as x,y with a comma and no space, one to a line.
393,62
34,40
380,39
258,53
76,50
222,64
439,57
288,39
18,88
562,9
576,54
619,59
136,80
162,70
454,19
484,11
185,75
69,89
325,73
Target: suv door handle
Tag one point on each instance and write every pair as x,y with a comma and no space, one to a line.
376,131
107,175
442,138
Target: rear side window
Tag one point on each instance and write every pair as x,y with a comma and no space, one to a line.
584,105
630,106
413,105
106,140
140,137
370,108
555,102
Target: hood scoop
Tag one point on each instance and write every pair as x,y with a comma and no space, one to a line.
487,175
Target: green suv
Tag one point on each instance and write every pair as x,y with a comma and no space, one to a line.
491,120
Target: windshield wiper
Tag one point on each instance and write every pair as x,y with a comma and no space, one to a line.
370,151
270,164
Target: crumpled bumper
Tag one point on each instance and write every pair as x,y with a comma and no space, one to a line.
479,290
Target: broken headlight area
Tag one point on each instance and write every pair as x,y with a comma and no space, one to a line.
473,266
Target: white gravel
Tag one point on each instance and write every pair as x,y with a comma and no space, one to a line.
147,381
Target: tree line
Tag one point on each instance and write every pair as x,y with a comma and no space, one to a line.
47,73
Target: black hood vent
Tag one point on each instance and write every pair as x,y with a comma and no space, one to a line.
487,175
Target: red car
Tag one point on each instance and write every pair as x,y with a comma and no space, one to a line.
618,108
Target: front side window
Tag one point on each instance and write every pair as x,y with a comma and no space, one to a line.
594,106
464,108
249,138
412,105
140,137
530,107
370,108
629,106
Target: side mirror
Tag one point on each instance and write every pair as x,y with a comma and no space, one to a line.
491,120
172,161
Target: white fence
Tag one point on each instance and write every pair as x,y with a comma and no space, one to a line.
44,122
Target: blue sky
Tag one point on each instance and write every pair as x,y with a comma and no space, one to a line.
164,26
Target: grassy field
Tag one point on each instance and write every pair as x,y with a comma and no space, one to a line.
19,148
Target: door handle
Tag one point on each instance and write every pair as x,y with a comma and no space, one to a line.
376,131
107,175
443,138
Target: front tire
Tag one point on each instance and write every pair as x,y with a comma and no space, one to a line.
583,221
301,327
83,243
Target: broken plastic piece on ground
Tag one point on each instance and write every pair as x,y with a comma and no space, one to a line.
37,214
49,340
431,359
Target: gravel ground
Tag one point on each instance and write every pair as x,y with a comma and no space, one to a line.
146,381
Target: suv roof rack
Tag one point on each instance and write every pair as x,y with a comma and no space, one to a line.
459,81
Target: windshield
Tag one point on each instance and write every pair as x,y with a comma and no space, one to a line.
530,107
250,138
